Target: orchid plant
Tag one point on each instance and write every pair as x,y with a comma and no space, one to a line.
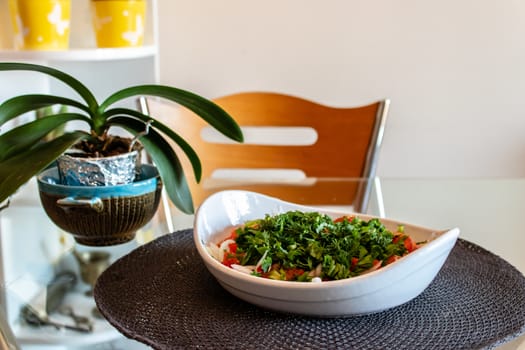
27,149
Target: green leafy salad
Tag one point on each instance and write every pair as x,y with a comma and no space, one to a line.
310,246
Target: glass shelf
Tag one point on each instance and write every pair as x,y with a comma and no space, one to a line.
79,54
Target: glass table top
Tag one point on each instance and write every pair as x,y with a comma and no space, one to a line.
487,211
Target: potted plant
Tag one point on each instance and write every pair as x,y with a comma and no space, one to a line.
25,151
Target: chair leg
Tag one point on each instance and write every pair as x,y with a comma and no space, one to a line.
167,211
379,198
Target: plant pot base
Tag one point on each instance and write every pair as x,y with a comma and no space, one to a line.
104,241
101,215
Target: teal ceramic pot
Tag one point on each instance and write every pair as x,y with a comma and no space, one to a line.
101,215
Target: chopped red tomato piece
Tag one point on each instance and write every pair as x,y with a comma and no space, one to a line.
353,262
341,219
230,259
232,247
391,259
409,244
292,274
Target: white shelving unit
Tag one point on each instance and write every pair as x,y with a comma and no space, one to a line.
103,70
81,54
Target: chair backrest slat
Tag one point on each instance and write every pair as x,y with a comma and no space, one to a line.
347,144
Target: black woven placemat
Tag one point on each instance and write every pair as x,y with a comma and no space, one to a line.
161,294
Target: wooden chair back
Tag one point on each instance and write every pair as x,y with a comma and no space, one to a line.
341,143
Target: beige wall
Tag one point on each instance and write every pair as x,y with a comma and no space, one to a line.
455,70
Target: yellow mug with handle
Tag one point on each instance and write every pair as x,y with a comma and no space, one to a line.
40,24
119,23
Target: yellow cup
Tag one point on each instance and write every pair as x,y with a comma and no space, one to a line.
119,23
40,24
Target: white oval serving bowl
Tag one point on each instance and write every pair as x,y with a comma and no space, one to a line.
390,286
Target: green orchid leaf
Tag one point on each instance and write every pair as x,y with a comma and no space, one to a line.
186,148
25,136
24,150
75,84
206,109
19,169
19,105
165,159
